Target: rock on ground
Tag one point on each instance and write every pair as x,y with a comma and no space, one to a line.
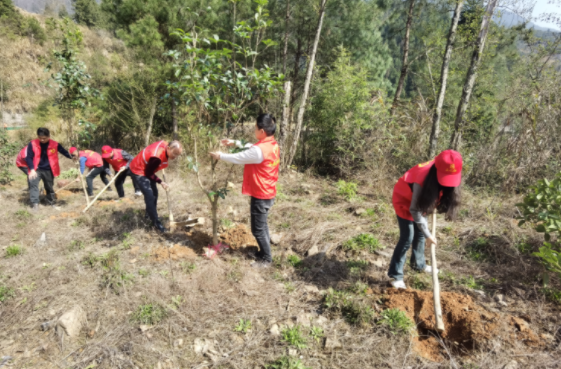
71,322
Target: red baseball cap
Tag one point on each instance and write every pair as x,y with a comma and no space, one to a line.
72,150
449,168
106,152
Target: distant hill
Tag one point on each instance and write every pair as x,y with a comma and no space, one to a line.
38,6
510,19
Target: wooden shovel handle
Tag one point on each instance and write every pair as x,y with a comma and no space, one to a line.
435,282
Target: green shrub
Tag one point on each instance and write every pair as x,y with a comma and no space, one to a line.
420,282
478,250
356,267
149,314
396,321
7,151
23,214
294,337
552,295
6,293
71,173
316,333
287,362
353,308
243,326
294,260
364,241
347,189
14,250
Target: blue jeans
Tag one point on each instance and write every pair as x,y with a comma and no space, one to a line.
409,234
150,191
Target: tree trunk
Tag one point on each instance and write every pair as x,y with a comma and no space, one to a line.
472,74
285,118
444,80
150,121
405,62
295,76
214,209
307,83
285,51
174,119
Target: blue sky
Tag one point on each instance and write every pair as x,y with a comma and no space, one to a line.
543,6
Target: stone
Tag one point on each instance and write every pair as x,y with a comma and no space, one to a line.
314,250
231,185
304,319
202,345
292,352
320,321
178,343
479,293
499,298
360,211
42,241
276,238
332,343
383,253
71,322
145,328
521,324
275,330
379,263
310,288
511,365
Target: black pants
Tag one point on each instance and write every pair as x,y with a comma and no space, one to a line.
97,171
48,180
26,171
121,179
260,228
150,191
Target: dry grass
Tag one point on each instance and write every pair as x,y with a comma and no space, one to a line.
215,295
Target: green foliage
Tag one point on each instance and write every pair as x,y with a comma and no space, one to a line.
144,272
396,321
316,333
71,173
351,307
552,294
7,151
294,337
6,293
76,245
420,282
188,267
149,314
23,214
243,326
478,250
294,260
14,250
356,266
347,189
363,241
33,29
550,257
287,362
88,13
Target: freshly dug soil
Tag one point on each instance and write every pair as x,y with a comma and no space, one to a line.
199,240
467,325
64,215
238,237
64,193
176,252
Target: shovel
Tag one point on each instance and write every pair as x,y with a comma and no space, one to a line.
62,188
172,224
104,188
435,283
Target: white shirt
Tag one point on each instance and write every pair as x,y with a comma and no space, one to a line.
252,155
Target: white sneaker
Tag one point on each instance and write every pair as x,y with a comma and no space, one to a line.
428,269
398,284
138,193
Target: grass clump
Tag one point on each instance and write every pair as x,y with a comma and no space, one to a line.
14,250
244,325
23,214
188,267
6,293
149,314
316,333
347,189
551,294
294,337
353,308
71,173
364,241
396,321
76,245
478,250
286,362
294,260
420,282
356,266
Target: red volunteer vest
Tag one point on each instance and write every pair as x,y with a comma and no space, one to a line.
52,155
117,161
94,159
402,193
259,180
20,160
158,150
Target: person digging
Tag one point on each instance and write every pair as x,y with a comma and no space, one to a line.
118,159
144,167
93,161
426,186
261,173
42,161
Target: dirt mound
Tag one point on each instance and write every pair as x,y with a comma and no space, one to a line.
176,252
63,194
62,182
238,237
467,325
64,215
199,239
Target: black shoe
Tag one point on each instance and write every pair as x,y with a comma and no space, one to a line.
160,228
110,189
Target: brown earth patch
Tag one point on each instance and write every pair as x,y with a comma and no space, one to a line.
199,240
63,194
176,252
115,203
467,325
64,215
62,182
238,237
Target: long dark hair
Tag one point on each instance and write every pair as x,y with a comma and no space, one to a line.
428,199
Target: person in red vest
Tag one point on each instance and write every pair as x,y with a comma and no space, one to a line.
22,164
426,186
94,162
144,167
118,159
42,161
261,173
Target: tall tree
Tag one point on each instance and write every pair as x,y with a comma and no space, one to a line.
88,13
435,132
404,62
307,83
472,73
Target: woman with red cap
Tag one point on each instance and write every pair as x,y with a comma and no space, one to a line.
119,158
426,186
94,162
